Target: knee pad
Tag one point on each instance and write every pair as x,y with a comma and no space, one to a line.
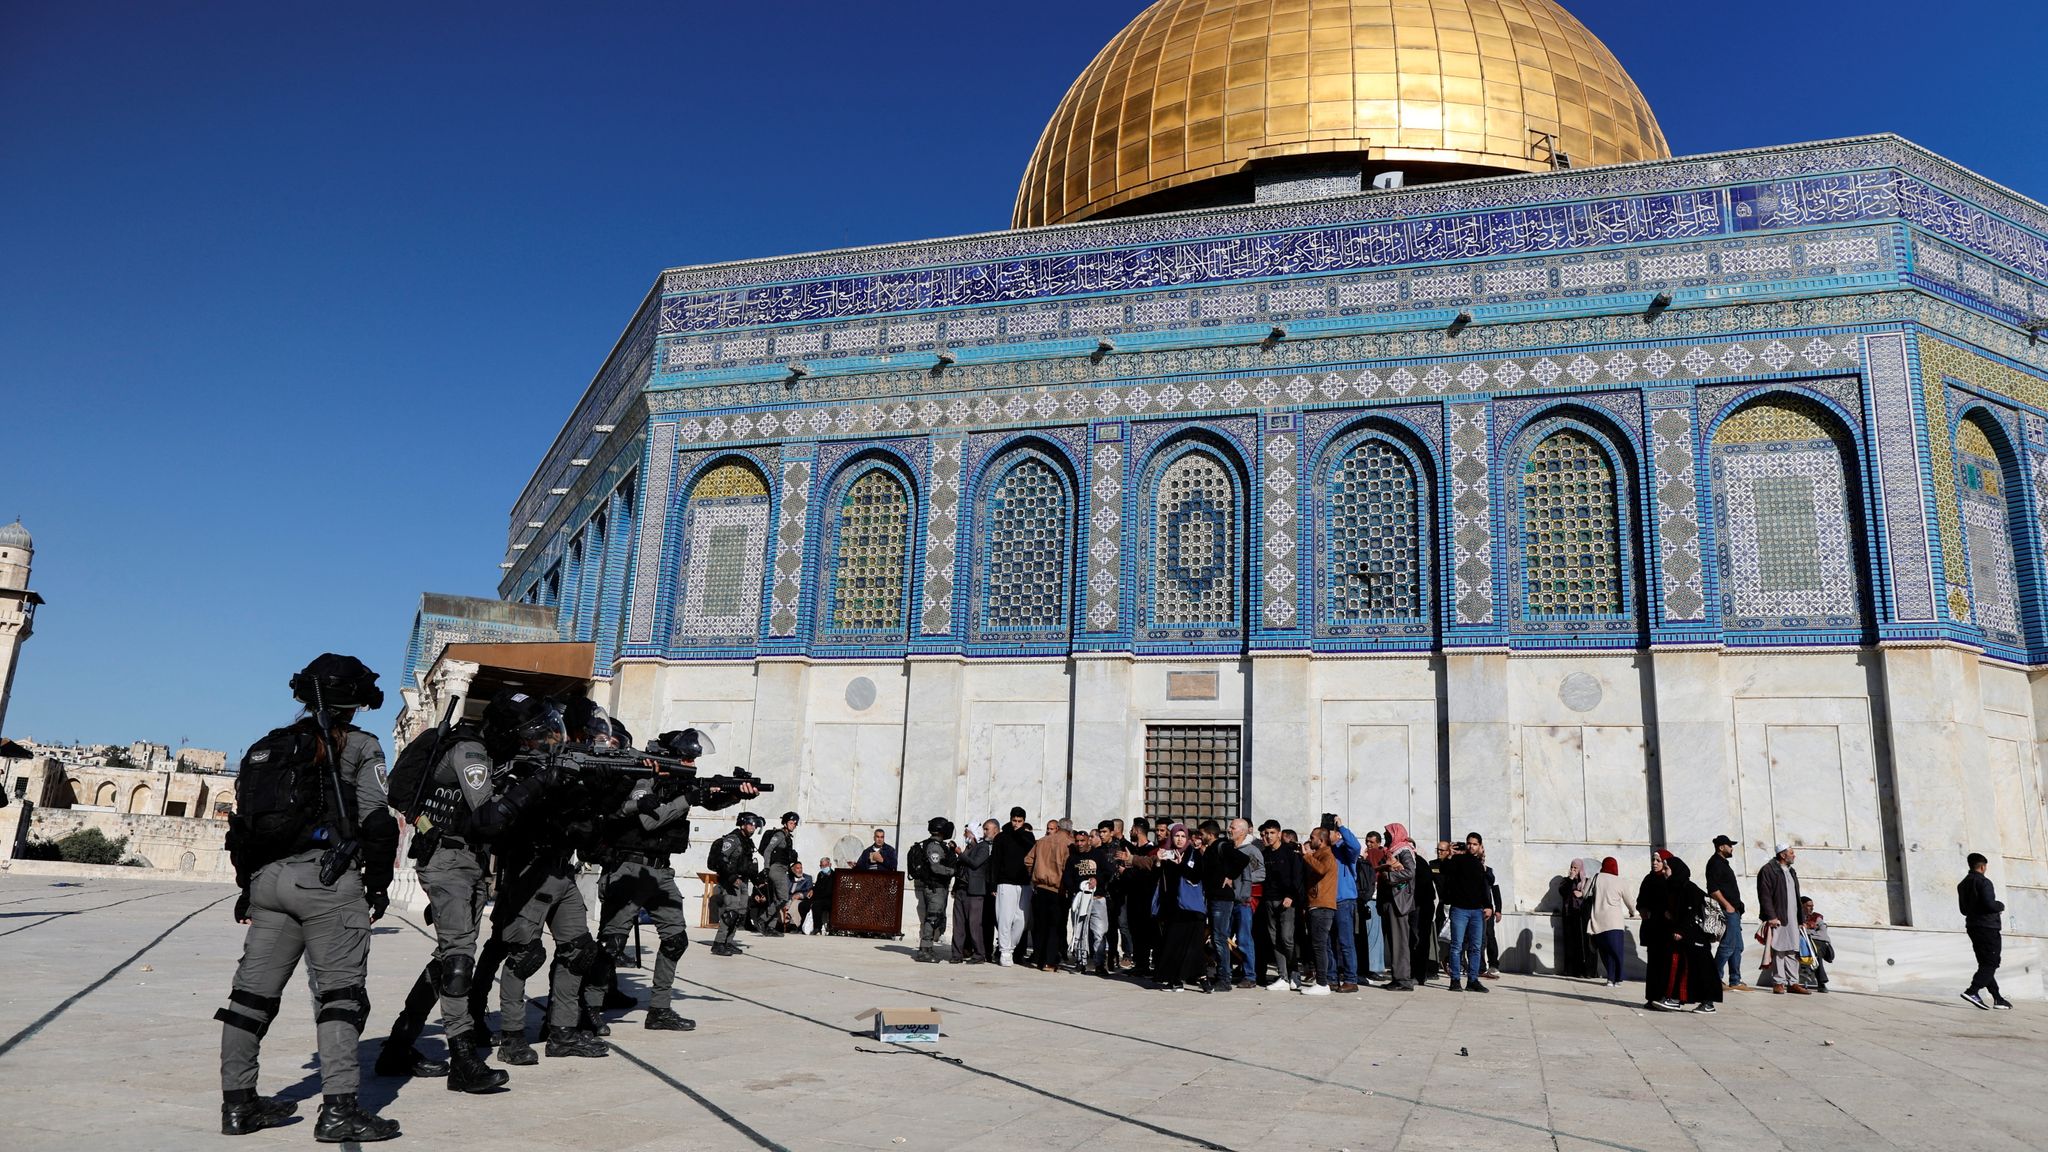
349,1006
457,973
674,946
578,955
525,961
255,1012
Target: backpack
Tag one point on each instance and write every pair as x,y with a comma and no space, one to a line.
1712,921
412,768
725,854
278,797
919,865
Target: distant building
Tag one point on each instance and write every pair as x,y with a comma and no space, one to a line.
17,605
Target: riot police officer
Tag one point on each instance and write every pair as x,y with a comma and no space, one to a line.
462,809
732,859
638,840
313,848
778,852
932,863
537,887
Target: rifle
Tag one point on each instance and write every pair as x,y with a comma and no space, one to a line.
419,797
593,763
342,856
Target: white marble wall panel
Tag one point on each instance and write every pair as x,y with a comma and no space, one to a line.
1016,755
1378,763
1809,778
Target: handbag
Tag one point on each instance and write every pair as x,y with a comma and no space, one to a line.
1806,956
1712,922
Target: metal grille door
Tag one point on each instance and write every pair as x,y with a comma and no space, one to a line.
1192,772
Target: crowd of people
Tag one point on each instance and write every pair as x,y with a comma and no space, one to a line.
1212,906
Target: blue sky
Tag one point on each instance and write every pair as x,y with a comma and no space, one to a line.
293,296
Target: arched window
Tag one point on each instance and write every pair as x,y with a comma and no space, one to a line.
1375,518
1987,533
870,557
1024,541
106,795
725,545
1196,567
1571,529
140,799
1787,541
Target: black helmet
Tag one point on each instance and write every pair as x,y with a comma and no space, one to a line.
940,826
516,719
749,818
621,735
686,744
586,719
334,681
788,816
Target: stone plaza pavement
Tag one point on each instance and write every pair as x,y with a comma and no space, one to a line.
107,1041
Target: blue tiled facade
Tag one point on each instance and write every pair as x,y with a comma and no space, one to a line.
1456,326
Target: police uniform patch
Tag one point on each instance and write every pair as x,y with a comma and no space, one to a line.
474,775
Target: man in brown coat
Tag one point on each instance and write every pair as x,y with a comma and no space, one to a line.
1047,861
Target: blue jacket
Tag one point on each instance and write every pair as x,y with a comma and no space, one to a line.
1346,850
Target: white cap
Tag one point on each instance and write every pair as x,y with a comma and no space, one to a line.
1783,848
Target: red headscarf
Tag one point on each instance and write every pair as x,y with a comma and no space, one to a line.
1662,854
1397,838
1611,866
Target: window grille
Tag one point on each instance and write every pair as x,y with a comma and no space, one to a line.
1192,772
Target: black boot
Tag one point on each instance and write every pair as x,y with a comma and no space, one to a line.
342,1120
241,1117
570,1042
469,1072
618,1001
666,1020
398,1058
516,1051
588,1021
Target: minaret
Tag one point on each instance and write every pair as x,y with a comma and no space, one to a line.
17,605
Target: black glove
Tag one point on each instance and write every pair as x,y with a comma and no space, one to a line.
380,900
242,907
647,803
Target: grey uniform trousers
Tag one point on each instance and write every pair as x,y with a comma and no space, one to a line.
454,880
931,915
729,903
291,914
558,906
778,897
630,887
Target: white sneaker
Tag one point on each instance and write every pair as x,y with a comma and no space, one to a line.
1316,990
1279,986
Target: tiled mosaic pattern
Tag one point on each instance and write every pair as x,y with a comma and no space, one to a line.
1787,551
1280,458
1571,530
1678,514
942,532
725,534
1105,526
1900,483
1377,527
871,550
1025,552
1470,438
784,611
1941,361
1994,589
1195,526
654,493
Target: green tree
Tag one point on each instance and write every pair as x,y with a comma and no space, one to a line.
91,846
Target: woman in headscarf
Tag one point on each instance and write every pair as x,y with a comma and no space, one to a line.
1182,912
1689,975
1397,907
1609,917
1652,901
1575,896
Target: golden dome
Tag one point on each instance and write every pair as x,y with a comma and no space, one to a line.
1197,89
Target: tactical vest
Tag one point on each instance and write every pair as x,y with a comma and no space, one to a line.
445,806
668,840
